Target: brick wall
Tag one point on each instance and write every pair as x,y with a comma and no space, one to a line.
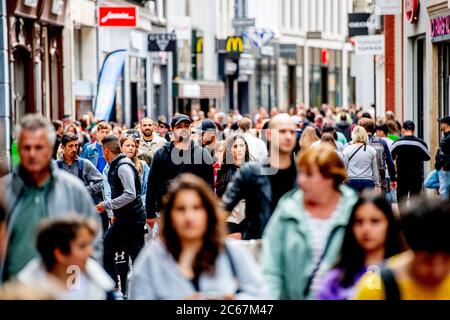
389,32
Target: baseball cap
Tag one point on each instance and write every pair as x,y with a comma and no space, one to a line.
409,125
165,124
207,125
445,120
178,119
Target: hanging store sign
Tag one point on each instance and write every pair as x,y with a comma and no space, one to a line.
440,28
109,77
260,37
117,16
412,10
162,42
358,24
388,7
243,22
369,45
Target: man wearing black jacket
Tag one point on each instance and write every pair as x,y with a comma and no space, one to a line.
409,152
179,156
262,186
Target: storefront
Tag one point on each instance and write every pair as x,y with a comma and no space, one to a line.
202,95
292,75
440,37
133,98
325,75
266,77
36,57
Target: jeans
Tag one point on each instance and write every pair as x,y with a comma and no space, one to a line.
432,181
361,184
444,183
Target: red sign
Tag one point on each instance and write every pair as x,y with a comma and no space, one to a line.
325,56
117,16
412,10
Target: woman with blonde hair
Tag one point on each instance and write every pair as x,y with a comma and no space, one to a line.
361,162
309,136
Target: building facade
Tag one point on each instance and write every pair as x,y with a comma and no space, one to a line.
426,62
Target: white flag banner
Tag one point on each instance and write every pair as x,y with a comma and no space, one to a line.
388,7
369,45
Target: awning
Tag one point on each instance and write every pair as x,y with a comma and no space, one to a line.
199,89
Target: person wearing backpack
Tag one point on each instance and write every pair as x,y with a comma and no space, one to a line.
361,162
81,168
384,158
423,272
84,170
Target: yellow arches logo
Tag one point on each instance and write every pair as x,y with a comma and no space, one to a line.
234,44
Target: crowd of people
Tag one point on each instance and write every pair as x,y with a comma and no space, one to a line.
322,204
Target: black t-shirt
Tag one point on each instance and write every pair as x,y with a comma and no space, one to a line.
282,182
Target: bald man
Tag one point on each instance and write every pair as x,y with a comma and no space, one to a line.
262,186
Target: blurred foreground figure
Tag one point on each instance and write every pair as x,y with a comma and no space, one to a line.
37,190
64,268
423,272
192,259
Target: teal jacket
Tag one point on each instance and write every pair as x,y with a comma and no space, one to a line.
286,254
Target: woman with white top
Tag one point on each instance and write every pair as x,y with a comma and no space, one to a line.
361,162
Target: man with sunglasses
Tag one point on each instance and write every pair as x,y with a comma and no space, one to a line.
179,156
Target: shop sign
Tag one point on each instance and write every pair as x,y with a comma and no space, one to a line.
243,22
234,45
412,10
190,91
288,51
260,37
440,28
30,3
162,42
388,7
369,45
117,16
358,24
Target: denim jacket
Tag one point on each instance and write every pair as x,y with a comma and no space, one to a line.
90,153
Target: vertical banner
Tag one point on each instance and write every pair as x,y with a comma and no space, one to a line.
109,76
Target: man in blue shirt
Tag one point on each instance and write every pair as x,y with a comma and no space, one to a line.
94,152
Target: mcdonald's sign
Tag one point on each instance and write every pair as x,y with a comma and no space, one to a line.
234,45
199,45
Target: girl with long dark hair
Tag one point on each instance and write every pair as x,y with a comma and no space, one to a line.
371,237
